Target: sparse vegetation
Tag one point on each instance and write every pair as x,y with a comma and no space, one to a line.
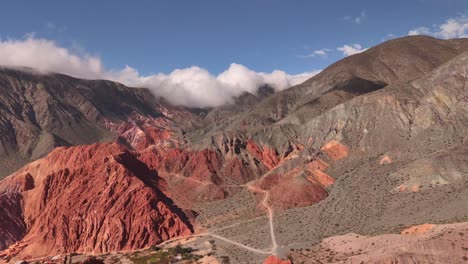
163,256
93,260
225,260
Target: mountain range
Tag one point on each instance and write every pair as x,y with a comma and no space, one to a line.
366,162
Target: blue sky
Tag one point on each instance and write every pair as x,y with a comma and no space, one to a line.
159,36
186,50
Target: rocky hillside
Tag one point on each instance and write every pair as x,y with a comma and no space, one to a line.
396,61
95,198
426,243
373,144
41,111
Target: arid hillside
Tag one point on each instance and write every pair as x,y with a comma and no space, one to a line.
327,171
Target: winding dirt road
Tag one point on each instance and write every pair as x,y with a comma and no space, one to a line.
266,197
270,213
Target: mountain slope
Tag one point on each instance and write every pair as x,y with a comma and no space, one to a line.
393,151
95,198
43,111
373,144
396,61
408,149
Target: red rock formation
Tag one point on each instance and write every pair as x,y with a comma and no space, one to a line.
320,177
237,170
292,189
317,164
199,165
141,132
266,155
94,198
172,161
203,166
12,226
385,160
191,176
335,150
12,251
418,229
276,260
314,170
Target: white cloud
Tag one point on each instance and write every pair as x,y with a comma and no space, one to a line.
452,28
46,56
320,52
352,49
419,31
360,18
50,26
193,86
301,77
357,19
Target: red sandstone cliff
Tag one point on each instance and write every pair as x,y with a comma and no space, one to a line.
95,198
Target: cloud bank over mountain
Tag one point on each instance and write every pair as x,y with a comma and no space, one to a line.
193,86
352,49
456,27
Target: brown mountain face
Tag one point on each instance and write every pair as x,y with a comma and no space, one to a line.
431,244
373,144
396,61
